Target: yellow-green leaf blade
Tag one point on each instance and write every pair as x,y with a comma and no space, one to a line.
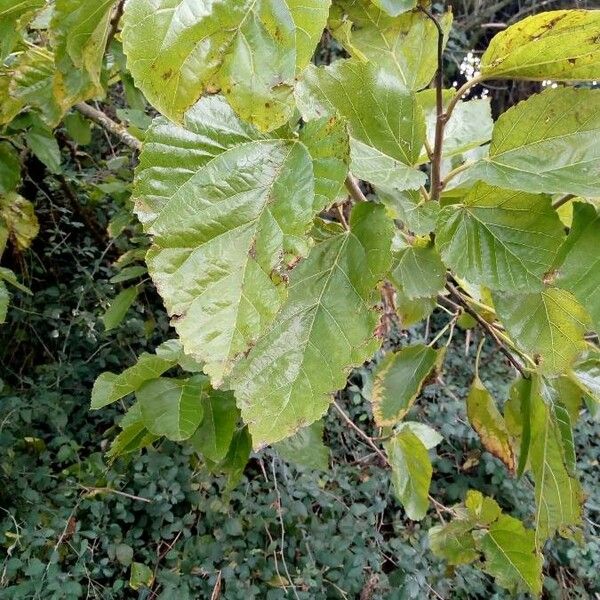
324,328
559,44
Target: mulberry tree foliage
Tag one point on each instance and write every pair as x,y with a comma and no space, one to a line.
297,212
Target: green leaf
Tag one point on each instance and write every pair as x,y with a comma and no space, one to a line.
141,576
31,83
78,128
395,7
43,144
511,556
486,420
470,124
118,308
10,168
4,300
213,437
547,143
503,240
237,457
129,273
386,124
419,272
133,436
18,217
586,374
517,417
173,407
14,16
578,269
481,509
328,143
454,542
85,26
405,46
224,204
9,277
398,379
429,437
411,472
417,214
412,311
251,50
558,44
550,324
323,330
109,387
558,496
306,447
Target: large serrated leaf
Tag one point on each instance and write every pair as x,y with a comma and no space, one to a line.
224,204
558,495
386,123
547,143
511,556
578,267
398,379
453,542
13,18
561,44
501,239
487,421
173,407
306,447
419,272
324,328
405,45
411,472
180,50
550,324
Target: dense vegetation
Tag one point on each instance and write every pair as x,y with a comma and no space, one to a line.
469,353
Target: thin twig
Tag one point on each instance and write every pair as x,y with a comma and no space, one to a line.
92,491
354,189
109,125
558,203
485,325
361,433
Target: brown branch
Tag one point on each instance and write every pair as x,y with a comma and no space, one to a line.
563,200
111,126
354,189
436,160
488,328
114,23
361,433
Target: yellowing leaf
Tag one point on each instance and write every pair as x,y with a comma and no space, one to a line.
501,239
547,143
17,216
323,330
225,206
411,472
454,542
180,50
560,44
487,421
549,324
398,379
558,496
578,269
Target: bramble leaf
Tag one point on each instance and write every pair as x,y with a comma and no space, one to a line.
324,328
